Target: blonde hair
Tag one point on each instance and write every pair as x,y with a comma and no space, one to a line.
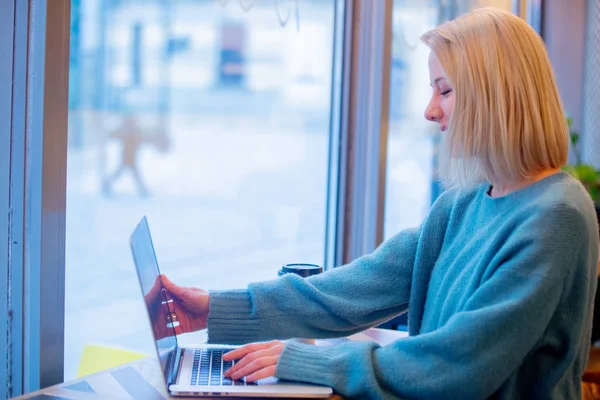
508,122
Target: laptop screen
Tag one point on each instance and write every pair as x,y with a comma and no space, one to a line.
154,295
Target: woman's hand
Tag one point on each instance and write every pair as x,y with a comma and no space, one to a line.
189,304
258,360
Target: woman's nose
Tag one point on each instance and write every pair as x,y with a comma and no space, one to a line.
433,112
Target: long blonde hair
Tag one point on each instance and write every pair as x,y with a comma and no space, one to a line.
508,122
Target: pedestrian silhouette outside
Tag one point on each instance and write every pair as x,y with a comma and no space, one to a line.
132,136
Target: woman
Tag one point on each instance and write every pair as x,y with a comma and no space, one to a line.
498,281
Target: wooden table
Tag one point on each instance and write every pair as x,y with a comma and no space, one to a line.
146,377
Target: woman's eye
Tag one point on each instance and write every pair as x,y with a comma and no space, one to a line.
445,93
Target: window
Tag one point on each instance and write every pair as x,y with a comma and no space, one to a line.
210,117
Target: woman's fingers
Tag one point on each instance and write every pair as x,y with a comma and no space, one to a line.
182,323
262,374
255,367
192,304
172,288
255,359
246,349
173,294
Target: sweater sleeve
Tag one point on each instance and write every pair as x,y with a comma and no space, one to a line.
476,350
339,302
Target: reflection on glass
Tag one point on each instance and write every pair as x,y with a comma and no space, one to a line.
212,121
412,184
158,308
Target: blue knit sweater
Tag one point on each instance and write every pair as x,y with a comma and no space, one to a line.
499,293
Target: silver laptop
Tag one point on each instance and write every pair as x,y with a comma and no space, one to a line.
198,370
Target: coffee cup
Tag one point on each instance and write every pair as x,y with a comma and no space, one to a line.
303,270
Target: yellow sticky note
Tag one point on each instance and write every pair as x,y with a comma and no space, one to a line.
98,358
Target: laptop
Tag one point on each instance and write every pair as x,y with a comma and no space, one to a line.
198,370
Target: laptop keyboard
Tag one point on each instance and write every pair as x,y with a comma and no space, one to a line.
208,369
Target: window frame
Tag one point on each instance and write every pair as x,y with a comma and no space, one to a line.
365,126
47,175
7,14
33,131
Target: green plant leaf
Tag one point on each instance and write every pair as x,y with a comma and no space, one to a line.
593,191
587,173
571,169
574,138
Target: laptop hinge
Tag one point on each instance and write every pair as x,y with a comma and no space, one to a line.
175,366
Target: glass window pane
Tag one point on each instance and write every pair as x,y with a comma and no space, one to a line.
212,120
411,185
